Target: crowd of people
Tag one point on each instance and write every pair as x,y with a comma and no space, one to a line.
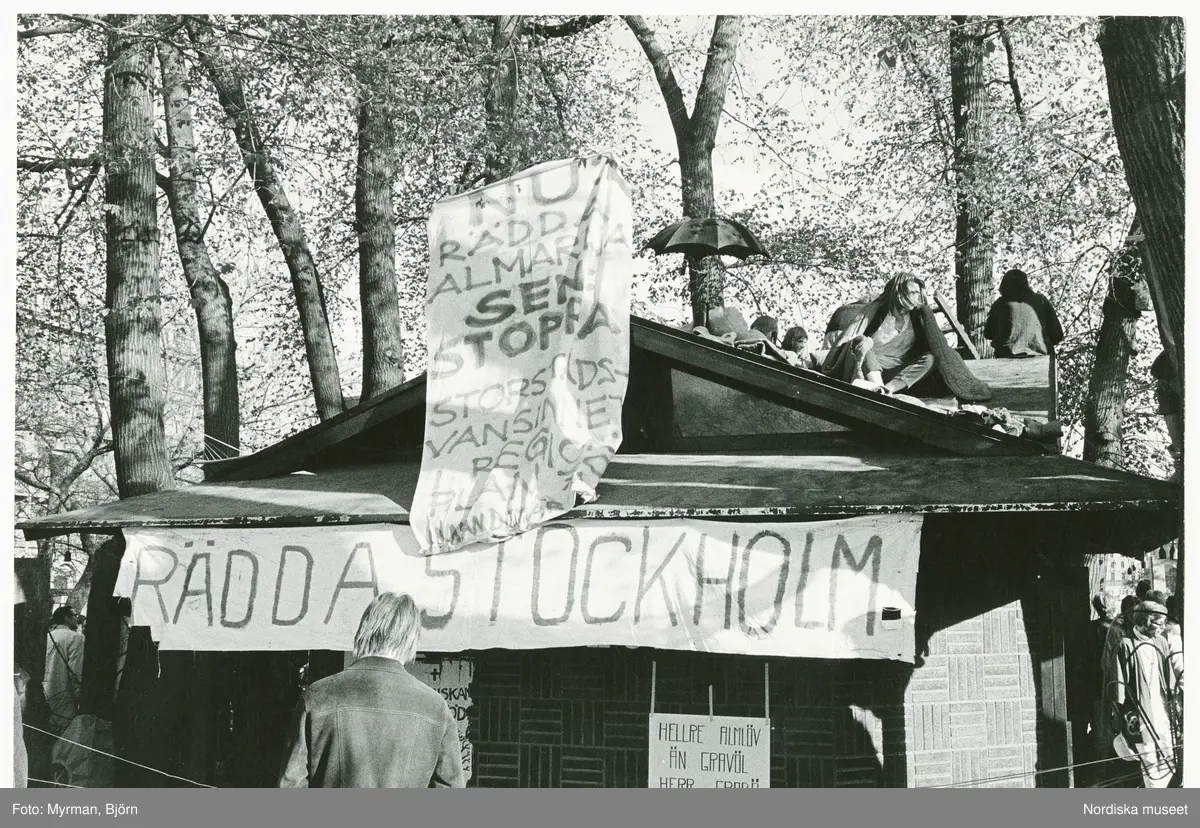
1141,692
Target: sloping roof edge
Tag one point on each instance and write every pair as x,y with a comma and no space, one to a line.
805,391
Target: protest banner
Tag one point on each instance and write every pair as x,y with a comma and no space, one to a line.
709,751
452,678
528,331
798,589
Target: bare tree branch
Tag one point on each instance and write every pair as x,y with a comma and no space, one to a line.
43,164
663,72
566,28
1012,69
99,447
22,477
80,194
710,98
47,31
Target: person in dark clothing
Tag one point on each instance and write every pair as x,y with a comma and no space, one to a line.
768,327
1170,406
374,725
1103,618
1022,322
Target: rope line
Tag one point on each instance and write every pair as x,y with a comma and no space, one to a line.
55,784
964,783
1116,782
1022,775
114,756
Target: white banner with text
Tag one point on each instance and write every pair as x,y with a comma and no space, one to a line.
528,333
828,589
452,678
709,752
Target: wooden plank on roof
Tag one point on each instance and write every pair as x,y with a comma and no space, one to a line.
291,453
955,325
823,397
1023,386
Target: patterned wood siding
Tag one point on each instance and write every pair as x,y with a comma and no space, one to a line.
967,712
971,708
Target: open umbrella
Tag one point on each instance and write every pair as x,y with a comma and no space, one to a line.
708,237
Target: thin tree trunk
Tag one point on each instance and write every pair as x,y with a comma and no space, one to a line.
210,294
695,138
1144,64
383,346
973,221
83,587
500,103
1104,408
310,300
133,324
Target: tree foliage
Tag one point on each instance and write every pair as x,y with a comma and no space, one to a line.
836,144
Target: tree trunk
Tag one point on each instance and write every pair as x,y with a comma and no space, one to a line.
500,103
310,300
695,138
706,281
103,631
210,294
1104,409
383,347
973,220
133,324
83,587
1144,64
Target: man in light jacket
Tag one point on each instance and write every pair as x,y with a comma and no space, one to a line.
64,668
374,725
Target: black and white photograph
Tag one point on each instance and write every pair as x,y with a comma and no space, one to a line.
598,401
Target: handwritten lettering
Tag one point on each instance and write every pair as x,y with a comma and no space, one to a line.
528,351
562,583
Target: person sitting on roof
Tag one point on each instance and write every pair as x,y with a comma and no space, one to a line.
877,344
768,327
1022,322
795,349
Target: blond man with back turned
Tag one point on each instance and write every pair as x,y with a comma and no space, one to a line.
373,725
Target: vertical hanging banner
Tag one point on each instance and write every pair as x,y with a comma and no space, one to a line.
528,329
